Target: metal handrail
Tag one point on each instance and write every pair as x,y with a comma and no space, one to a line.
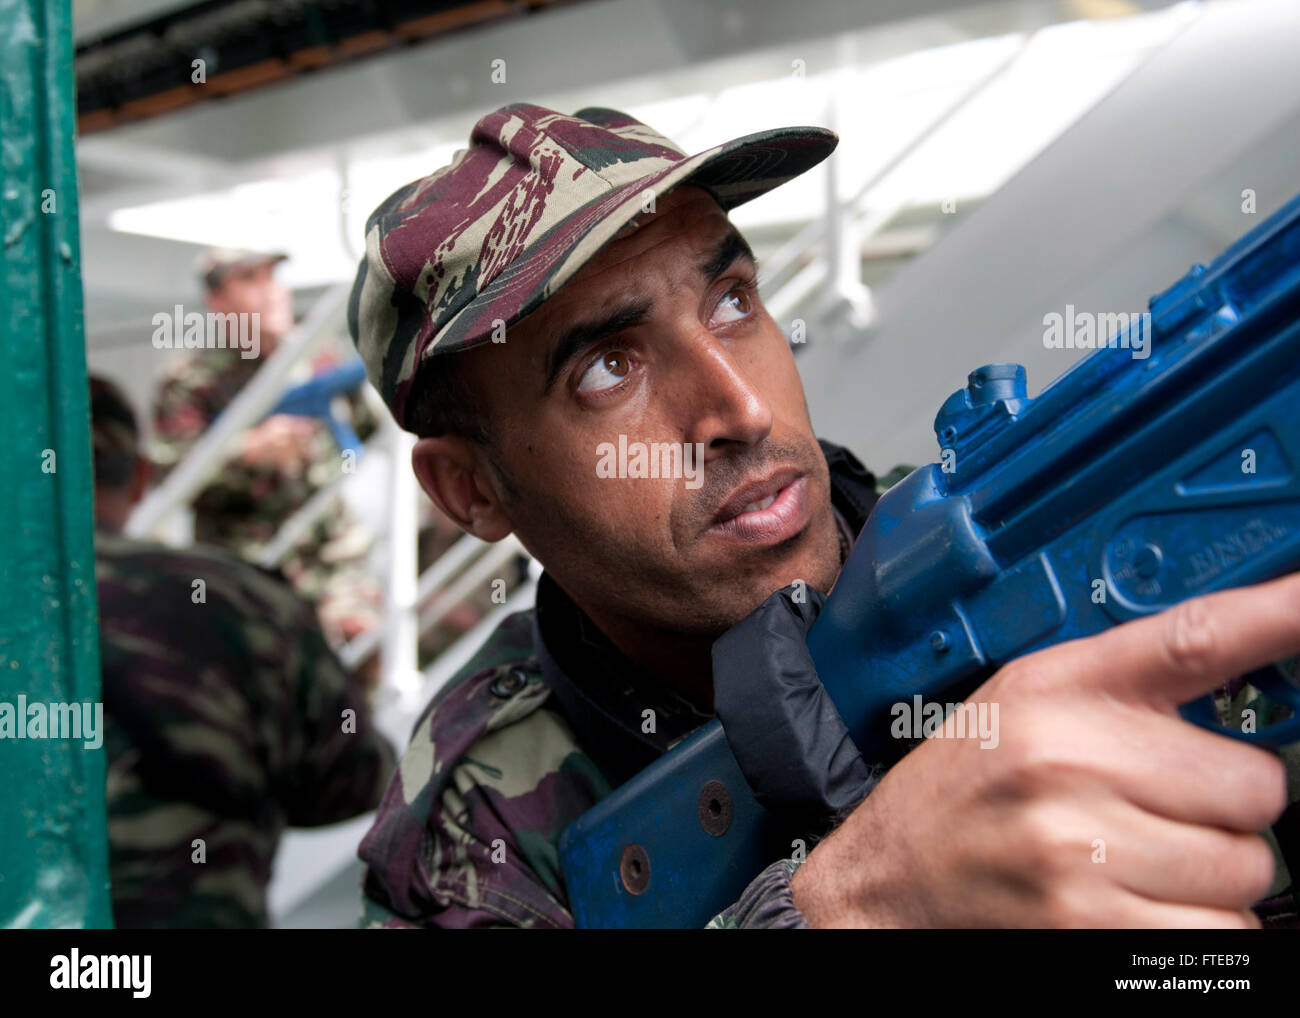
401,633
292,529
451,660
495,556
810,237
450,562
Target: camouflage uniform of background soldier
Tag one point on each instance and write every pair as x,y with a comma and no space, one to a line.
244,504
545,721
227,717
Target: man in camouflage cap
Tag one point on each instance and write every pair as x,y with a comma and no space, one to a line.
570,285
227,717
279,463
217,265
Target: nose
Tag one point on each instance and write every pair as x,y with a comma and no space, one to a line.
721,402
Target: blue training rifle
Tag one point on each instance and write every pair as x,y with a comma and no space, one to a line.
1161,466
313,398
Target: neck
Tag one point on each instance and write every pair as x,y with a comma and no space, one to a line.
682,662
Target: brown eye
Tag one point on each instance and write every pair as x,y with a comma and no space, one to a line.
605,372
735,304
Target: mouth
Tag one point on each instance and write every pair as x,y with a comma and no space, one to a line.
764,512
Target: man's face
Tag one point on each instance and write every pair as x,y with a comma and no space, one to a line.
255,291
661,338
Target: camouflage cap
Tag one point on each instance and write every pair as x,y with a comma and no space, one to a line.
481,243
213,264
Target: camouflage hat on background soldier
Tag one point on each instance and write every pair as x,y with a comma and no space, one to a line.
216,263
481,243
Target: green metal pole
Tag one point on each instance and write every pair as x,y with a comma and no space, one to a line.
53,832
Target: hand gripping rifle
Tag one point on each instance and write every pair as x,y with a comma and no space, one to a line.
1163,465
314,398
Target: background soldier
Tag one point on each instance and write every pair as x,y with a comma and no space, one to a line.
279,464
227,717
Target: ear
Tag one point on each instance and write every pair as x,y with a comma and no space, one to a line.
454,473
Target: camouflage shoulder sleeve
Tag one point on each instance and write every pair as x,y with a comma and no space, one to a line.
766,904
327,761
181,413
468,830
342,761
194,390
215,729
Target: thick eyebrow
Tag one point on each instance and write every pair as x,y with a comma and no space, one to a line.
582,337
731,247
585,335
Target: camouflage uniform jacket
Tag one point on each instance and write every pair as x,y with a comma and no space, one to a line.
226,719
468,832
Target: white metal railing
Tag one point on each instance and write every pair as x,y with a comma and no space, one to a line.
401,636
828,249
452,561
296,526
